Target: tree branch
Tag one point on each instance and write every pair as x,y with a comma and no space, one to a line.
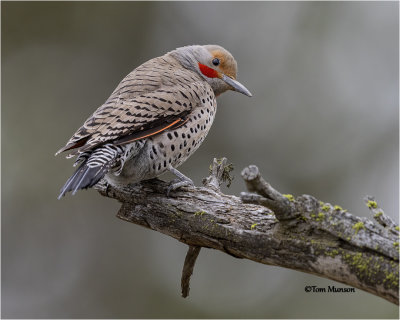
190,260
300,233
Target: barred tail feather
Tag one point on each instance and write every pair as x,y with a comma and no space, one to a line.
83,178
93,168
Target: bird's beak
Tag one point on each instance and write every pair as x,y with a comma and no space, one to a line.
236,85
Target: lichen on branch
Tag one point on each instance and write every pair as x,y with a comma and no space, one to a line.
268,227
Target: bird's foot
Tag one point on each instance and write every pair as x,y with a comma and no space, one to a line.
181,181
177,183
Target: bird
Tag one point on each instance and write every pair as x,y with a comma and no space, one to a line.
154,120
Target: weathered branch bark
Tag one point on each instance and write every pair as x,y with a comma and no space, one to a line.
303,234
190,260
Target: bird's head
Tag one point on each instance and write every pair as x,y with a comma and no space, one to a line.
214,64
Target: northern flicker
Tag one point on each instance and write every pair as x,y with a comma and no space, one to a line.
154,120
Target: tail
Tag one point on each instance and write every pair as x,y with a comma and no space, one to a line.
94,166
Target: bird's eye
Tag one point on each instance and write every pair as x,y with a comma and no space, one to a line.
215,62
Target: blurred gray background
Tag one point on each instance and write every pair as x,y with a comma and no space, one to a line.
323,120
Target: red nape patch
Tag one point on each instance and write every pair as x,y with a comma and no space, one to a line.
207,71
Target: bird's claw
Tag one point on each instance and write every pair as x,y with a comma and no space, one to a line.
178,183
